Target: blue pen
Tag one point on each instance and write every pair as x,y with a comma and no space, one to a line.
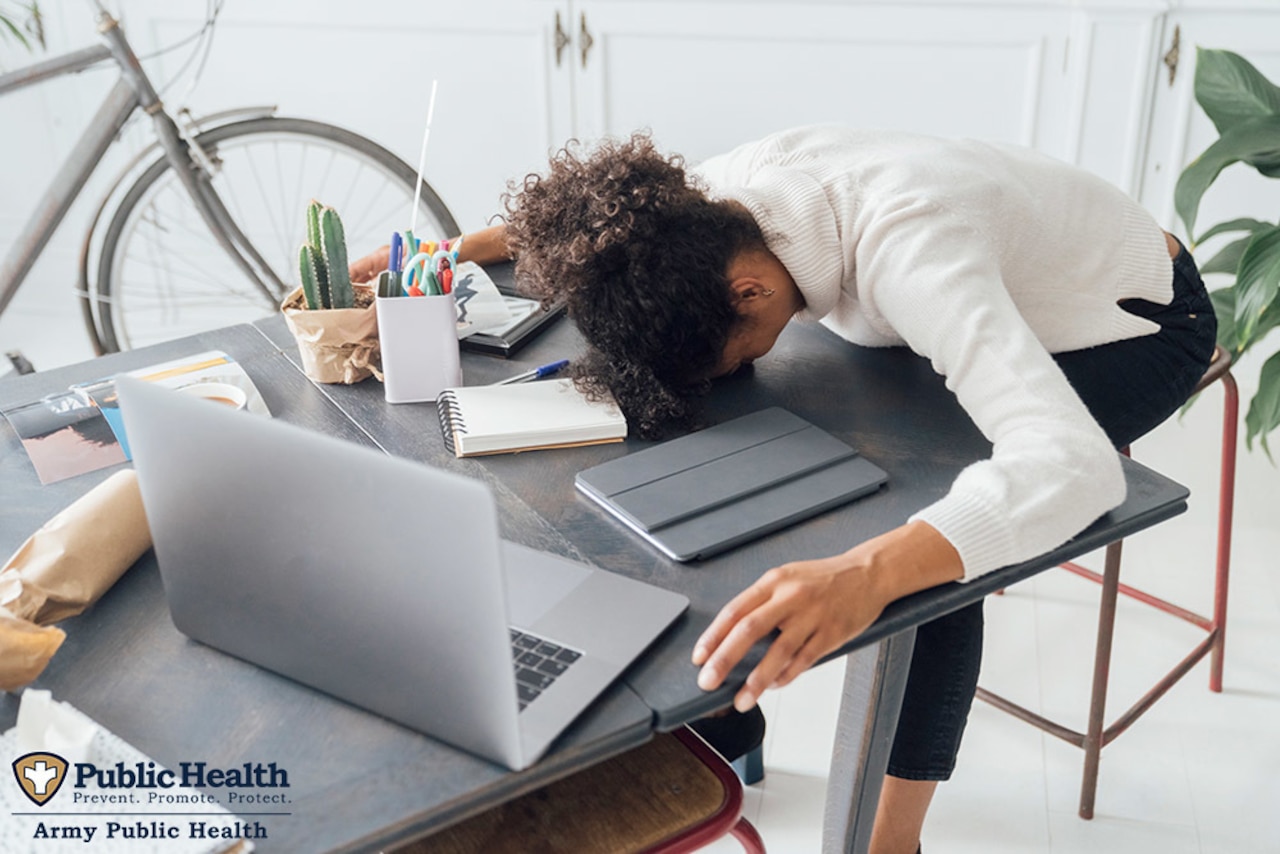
535,374
397,253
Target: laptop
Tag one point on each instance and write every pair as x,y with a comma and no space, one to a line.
378,580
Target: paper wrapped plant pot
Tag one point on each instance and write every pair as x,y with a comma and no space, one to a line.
332,320
336,345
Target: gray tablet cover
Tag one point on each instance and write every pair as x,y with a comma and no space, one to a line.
709,491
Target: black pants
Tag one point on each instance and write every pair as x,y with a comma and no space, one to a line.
1130,387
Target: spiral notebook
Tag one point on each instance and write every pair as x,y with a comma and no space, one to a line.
497,419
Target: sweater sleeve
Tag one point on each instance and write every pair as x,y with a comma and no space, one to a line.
1052,471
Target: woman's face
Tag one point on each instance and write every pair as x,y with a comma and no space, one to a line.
751,338
766,298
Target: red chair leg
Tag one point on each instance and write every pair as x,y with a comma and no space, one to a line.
1226,508
746,834
1101,672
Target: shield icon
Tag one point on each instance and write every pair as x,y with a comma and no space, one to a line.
40,775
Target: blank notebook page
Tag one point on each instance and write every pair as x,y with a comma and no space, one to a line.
525,416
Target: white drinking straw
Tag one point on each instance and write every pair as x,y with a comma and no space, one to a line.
422,160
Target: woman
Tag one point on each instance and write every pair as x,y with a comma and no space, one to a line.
1064,319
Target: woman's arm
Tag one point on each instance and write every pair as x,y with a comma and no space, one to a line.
819,605
486,246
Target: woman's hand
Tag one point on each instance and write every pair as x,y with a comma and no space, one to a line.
486,246
366,269
819,605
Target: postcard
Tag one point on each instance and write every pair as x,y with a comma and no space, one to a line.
80,430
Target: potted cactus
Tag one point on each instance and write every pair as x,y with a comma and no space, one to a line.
332,320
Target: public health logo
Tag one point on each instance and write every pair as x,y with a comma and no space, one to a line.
40,775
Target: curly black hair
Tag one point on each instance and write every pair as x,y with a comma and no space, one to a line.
638,253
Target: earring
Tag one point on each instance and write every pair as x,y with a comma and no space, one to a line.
767,292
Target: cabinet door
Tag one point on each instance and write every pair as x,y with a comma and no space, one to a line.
369,67
1114,51
1180,131
708,75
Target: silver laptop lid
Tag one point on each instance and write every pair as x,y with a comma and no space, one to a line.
372,578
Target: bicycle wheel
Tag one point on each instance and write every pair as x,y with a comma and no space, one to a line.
162,275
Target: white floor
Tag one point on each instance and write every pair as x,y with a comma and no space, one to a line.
1199,773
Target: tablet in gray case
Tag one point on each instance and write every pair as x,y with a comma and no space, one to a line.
709,491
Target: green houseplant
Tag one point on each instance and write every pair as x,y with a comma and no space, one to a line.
332,320
1245,108
322,261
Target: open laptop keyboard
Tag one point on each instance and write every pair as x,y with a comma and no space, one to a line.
538,663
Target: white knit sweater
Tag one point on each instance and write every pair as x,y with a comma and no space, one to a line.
985,259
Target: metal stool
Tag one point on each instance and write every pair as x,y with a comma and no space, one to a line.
669,796
1098,735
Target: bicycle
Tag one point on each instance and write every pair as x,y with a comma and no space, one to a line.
202,225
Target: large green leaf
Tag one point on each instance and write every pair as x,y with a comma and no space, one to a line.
1243,224
1256,141
1269,320
1231,90
1258,281
1224,307
1264,409
1227,260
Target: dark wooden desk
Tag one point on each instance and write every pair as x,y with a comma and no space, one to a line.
358,782
365,782
888,403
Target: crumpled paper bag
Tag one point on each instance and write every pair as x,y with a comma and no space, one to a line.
337,345
63,568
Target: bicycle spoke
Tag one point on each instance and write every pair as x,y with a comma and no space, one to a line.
143,303
286,215
266,203
302,173
228,193
346,203
191,272
360,219
173,223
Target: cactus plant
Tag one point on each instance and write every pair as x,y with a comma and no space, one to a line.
322,261
334,244
308,275
321,268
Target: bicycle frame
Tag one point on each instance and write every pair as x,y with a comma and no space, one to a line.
132,91
116,108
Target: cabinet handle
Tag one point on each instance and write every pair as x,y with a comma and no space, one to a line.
585,41
1170,58
562,40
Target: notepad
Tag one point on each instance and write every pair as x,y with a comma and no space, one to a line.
495,419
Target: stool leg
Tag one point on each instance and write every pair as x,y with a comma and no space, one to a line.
748,837
1226,508
1101,672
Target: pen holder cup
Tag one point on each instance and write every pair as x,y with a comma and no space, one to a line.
419,338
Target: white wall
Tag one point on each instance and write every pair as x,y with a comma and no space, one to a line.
502,104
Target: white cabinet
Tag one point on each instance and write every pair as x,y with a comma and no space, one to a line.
708,75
